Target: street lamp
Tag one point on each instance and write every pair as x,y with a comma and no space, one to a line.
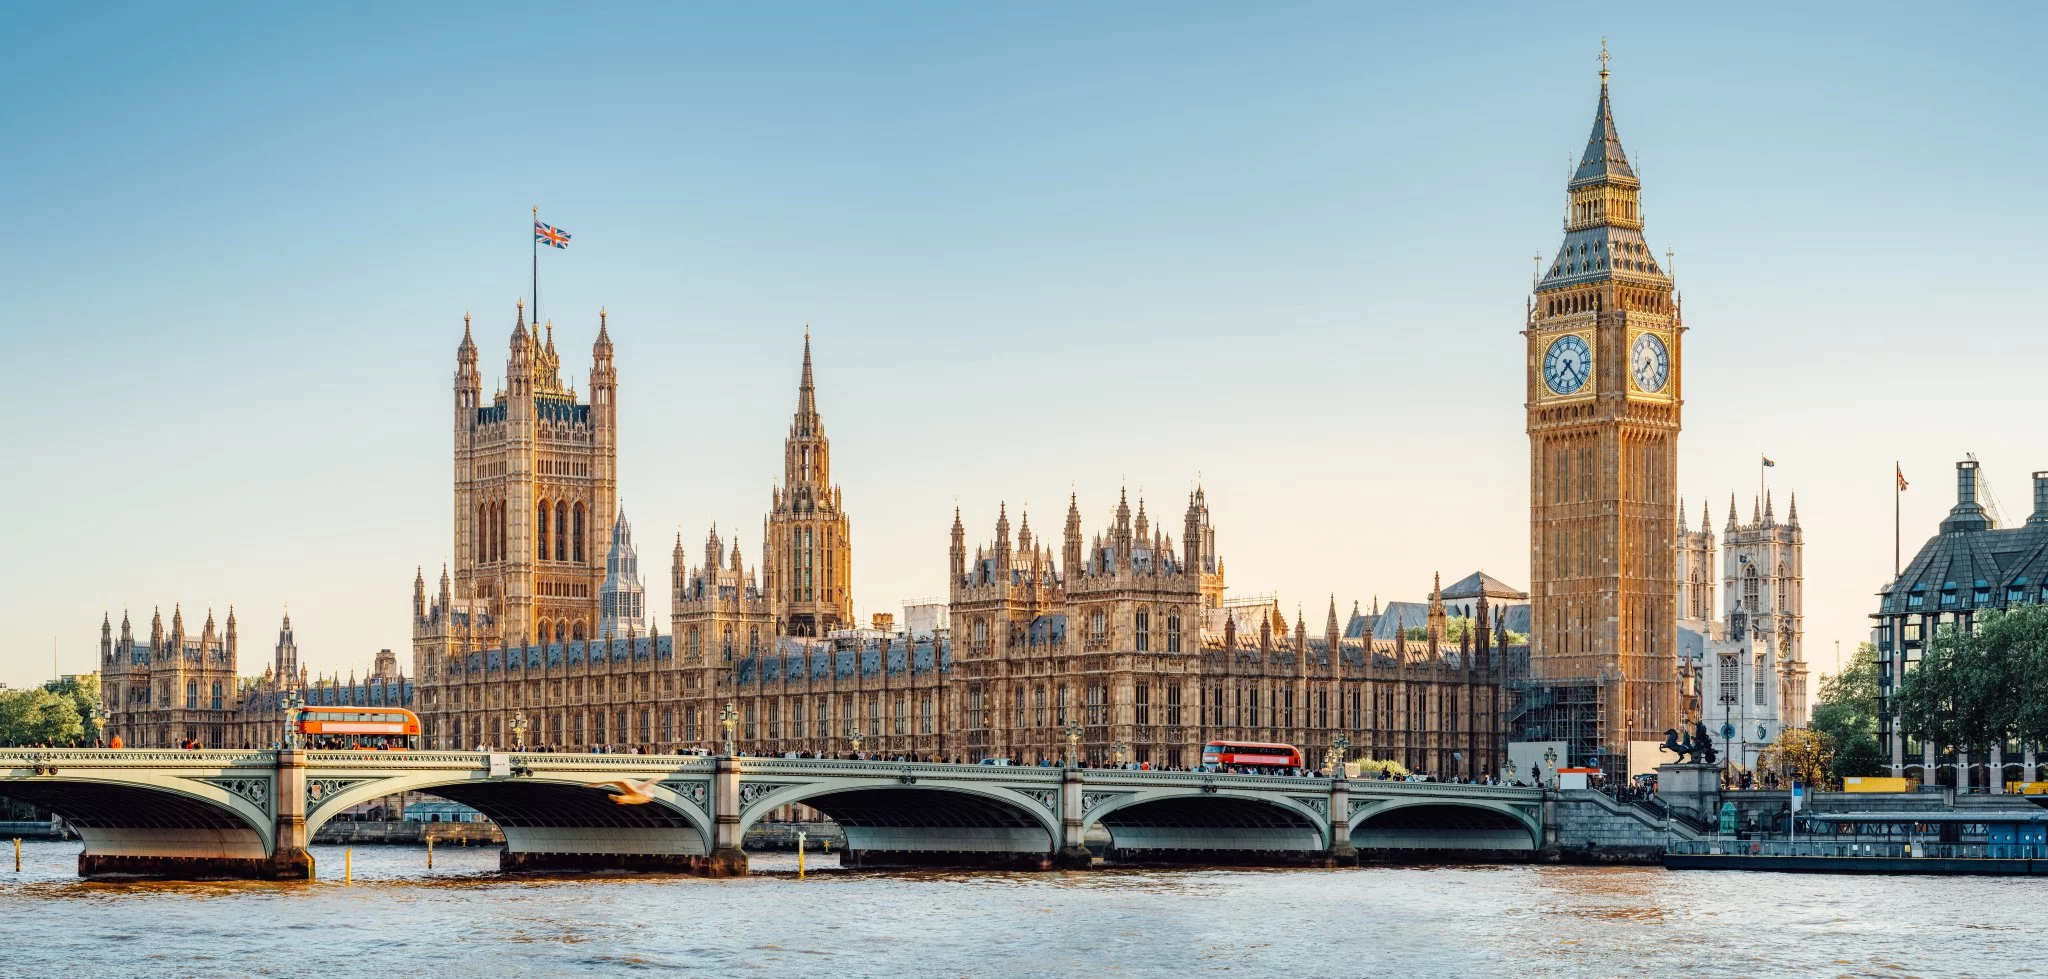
1117,752
1508,771
730,718
99,721
291,703
519,731
1338,748
1073,745
853,735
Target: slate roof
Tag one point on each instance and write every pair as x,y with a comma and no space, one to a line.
1965,569
1479,582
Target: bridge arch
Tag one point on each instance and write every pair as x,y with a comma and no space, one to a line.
545,812
1207,824
923,821
159,816
1437,823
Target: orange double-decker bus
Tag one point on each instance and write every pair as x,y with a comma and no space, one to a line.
362,728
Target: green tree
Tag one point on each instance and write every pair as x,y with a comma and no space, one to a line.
32,717
1846,715
84,694
1982,687
1804,755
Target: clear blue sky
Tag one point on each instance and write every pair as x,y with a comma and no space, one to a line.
1040,247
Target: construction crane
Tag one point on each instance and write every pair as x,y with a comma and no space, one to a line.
1989,499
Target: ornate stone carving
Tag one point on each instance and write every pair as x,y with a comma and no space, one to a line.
1049,798
319,790
1359,805
752,792
1091,800
696,792
1319,804
256,791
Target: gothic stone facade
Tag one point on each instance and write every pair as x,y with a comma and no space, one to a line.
1603,340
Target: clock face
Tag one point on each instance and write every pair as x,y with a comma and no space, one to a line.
1567,364
1649,363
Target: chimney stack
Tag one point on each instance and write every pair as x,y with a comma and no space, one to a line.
2040,515
1968,514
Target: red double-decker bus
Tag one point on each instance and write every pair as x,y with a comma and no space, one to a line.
365,728
1227,755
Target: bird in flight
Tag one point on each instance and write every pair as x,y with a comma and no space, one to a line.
626,792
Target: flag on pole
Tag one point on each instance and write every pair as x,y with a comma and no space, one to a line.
1901,474
1798,796
1768,462
548,234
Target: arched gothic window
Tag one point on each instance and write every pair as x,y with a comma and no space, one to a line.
546,630
540,530
561,531
1144,625
1784,589
576,534
728,644
1750,589
1173,632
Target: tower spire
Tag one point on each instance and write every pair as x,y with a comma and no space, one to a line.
806,391
1603,159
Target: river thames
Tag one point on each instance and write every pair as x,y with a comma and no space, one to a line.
463,919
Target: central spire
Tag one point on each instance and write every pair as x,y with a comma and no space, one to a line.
1603,217
806,390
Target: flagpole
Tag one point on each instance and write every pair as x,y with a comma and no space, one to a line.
537,269
1897,474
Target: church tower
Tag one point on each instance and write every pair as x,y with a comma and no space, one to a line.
808,554
1603,339
623,599
1696,571
536,484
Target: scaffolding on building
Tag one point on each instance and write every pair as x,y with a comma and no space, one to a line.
1574,712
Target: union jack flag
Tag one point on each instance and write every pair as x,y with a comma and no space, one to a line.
548,234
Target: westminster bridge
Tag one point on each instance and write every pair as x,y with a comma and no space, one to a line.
250,813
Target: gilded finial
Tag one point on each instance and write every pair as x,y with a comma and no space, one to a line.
1604,56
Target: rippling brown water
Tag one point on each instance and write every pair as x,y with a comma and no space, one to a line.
461,919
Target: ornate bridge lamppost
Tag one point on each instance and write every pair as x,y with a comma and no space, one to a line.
291,702
1073,746
1335,763
519,731
730,718
853,735
99,717
1117,753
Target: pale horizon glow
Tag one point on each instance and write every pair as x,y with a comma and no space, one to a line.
1040,249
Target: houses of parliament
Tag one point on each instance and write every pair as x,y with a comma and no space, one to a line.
1117,639
1122,640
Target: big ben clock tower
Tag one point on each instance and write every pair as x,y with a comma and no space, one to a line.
1604,396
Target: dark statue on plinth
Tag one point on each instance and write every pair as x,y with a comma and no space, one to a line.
1703,746
1697,747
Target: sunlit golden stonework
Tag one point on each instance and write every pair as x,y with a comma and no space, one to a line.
1604,395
